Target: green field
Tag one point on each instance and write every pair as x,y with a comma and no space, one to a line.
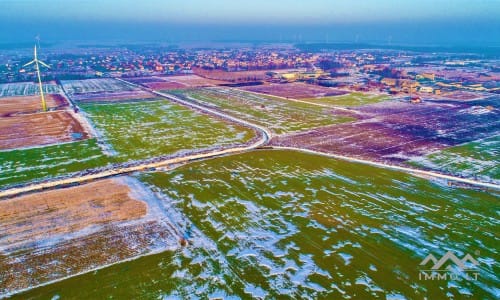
27,89
128,131
18,166
475,159
279,225
279,115
352,99
139,130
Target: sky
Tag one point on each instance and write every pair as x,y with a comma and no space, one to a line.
396,21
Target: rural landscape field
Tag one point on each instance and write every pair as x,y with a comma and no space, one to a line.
250,150
283,222
260,224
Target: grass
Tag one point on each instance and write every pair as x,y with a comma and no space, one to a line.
279,115
139,130
131,131
279,224
475,159
352,99
19,166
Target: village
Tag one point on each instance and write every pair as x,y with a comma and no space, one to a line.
410,75
172,162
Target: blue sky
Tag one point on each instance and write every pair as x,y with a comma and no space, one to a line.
289,18
250,11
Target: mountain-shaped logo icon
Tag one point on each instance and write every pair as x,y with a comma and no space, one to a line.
449,257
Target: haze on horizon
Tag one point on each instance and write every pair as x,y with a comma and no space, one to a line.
416,22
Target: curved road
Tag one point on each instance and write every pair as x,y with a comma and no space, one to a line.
266,132
266,136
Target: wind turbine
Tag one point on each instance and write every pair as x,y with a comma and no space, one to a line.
37,63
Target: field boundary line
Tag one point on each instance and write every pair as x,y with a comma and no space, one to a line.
394,167
265,137
301,101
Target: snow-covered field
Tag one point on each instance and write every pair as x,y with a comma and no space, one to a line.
479,159
139,130
79,229
272,224
27,89
279,115
95,86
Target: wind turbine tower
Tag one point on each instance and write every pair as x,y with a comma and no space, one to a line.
37,68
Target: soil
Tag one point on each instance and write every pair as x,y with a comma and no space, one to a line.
29,104
29,130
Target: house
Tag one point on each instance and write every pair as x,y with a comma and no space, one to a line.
290,76
426,89
429,76
389,81
409,86
416,100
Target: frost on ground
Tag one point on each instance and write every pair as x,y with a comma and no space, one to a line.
479,159
142,130
39,163
270,224
31,130
51,235
279,115
397,132
277,224
74,87
27,89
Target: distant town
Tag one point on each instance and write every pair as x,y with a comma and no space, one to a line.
413,75
263,172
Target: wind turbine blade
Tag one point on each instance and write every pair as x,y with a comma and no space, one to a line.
43,64
31,62
37,39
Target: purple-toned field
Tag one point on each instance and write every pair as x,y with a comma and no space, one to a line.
192,81
240,76
398,131
158,83
165,85
463,95
112,96
175,82
141,80
294,90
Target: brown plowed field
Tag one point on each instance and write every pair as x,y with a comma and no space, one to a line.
30,217
29,104
53,234
30,130
34,266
